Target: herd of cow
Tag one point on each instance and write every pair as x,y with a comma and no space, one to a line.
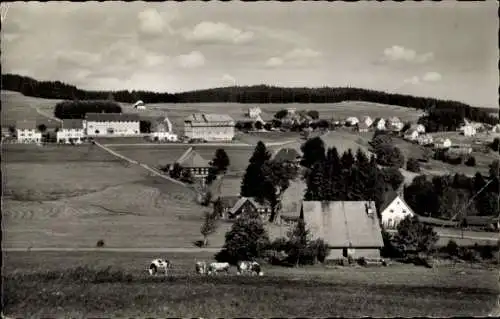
204,268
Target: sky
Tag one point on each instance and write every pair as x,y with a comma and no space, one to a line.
445,50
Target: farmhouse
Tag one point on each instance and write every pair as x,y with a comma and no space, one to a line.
162,131
379,124
425,139
351,228
411,135
71,131
246,205
195,163
393,211
367,121
253,112
210,127
468,130
112,124
496,129
362,127
460,150
441,143
419,127
27,132
351,121
139,105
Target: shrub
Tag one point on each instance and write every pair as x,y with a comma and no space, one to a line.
320,249
452,248
471,161
415,238
413,165
389,155
496,144
280,244
100,243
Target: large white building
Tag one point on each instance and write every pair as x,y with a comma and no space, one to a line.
394,211
71,131
27,132
162,131
209,127
112,124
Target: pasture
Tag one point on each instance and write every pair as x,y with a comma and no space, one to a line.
34,287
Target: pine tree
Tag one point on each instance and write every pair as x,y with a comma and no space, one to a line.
313,151
250,185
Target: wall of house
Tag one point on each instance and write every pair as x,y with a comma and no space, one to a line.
369,253
29,136
210,133
395,213
164,136
66,134
118,128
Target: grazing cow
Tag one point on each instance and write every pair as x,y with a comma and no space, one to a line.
251,267
214,268
158,265
201,267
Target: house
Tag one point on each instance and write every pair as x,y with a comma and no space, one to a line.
397,127
468,130
254,112
112,124
351,121
209,127
496,129
425,139
139,105
379,124
351,228
460,150
362,127
291,111
27,132
162,131
287,155
195,163
393,121
419,127
393,211
227,203
246,205
367,121
72,130
411,135
441,143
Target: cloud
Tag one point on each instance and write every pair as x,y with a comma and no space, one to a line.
191,60
413,80
400,53
217,33
274,62
151,22
228,80
298,56
77,58
432,77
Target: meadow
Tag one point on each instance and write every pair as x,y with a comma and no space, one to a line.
50,284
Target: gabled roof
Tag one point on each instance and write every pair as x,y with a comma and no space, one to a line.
342,224
191,159
391,198
72,124
208,118
410,131
26,125
242,201
112,117
363,125
287,155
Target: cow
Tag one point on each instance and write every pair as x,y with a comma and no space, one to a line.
216,267
158,265
251,267
201,267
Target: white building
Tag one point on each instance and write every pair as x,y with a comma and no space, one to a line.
112,124
469,130
254,112
394,211
209,127
27,132
411,135
71,131
379,124
368,121
139,105
441,143
419,127
425,139
351,121
162,131
496,129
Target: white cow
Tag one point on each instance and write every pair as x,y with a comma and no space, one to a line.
201,267
215,267
251,267
158,265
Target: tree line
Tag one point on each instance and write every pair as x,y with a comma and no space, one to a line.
78,109
254,94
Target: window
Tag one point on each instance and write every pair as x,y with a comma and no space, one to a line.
392,211
404,211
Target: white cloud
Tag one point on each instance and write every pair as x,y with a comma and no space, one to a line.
302,54
77,58
400,53
274,62
191,60
228,80
152,59
413,80
151,22
217,32
432,77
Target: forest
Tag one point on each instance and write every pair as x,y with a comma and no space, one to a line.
442,109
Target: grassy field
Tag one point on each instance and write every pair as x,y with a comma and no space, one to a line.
32,289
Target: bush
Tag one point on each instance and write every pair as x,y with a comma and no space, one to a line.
471,161
321,249
452,248
496,144
389,155
413,165
100,243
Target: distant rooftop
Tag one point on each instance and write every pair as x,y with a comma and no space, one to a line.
26,125
72,124
205,118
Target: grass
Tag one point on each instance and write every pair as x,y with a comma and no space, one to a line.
49,284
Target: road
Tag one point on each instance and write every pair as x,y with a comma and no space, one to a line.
270,144
119,250
483,236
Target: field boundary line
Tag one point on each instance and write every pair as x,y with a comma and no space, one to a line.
111,249
131,161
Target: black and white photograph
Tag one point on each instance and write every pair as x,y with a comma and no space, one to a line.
210,159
